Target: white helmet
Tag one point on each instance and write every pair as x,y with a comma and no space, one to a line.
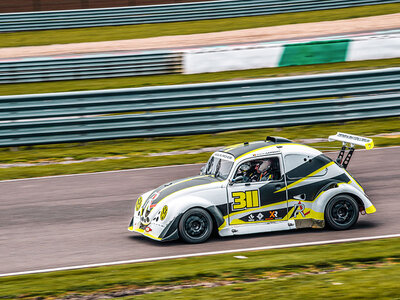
266,164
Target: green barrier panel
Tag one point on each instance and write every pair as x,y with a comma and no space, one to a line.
314,53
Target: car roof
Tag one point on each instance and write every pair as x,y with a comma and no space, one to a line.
246,150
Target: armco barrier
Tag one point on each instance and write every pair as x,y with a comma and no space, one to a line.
207,59
384,85
90,67
167,13
199,95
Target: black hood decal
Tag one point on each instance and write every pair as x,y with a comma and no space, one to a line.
167,189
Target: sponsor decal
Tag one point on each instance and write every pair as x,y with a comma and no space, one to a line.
164,212
138,203
225,156
299,208
147,229
272,215
265,216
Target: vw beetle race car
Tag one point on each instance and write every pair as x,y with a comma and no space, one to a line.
255,187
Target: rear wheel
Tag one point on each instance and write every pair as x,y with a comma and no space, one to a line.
195,226
341,212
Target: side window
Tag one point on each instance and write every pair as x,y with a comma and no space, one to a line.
300,165
257,170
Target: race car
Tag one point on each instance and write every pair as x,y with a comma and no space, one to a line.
255,187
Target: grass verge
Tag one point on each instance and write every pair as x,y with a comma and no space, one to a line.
142,81
137,150
310,272
110,33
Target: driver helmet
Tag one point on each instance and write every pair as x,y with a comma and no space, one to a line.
264,166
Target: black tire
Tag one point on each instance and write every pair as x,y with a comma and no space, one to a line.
195,226
341,212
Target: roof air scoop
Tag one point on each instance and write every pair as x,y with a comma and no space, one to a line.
277,139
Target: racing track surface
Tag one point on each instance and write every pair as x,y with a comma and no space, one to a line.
82,219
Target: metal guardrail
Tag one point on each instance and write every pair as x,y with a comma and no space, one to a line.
198,95
167,13
90,67
384,85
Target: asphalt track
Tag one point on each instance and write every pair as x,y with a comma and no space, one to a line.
74,220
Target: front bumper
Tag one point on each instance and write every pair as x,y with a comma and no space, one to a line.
146,231
162,234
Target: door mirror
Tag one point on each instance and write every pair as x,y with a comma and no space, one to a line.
202,170
237,179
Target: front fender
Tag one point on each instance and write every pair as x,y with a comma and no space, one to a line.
323,197
181,205
166,216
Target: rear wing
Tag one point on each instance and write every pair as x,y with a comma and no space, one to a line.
348,142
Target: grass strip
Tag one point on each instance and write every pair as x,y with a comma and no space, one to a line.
143,81
110,33
220,268
359,283
137,150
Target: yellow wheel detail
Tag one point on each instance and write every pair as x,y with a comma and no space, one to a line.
164,212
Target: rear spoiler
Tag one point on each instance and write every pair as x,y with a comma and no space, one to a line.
348,142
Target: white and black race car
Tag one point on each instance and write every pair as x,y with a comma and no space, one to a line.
254,187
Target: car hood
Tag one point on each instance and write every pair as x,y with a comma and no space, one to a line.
174,186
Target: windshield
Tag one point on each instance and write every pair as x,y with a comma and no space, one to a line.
218,166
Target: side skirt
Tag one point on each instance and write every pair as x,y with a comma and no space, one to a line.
257,228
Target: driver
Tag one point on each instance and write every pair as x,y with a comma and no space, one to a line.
263,171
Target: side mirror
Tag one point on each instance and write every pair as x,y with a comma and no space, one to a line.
237,179
202,170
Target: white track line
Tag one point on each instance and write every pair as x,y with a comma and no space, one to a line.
102,172
149,168
203,254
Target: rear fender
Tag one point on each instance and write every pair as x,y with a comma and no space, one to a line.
323,197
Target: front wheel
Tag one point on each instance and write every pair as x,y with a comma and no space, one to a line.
195,226
341,212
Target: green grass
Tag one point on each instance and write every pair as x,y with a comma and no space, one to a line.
109,33
365,283
143,81
372,266
137,150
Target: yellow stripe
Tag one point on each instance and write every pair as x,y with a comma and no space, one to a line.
256,208
304,178
147,234
239,222
370,210
352,179
231,147
223,224
246,211
312,215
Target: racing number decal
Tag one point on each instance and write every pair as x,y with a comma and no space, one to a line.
248,199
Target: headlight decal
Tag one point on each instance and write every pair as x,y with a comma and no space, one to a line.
139,203
164,212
